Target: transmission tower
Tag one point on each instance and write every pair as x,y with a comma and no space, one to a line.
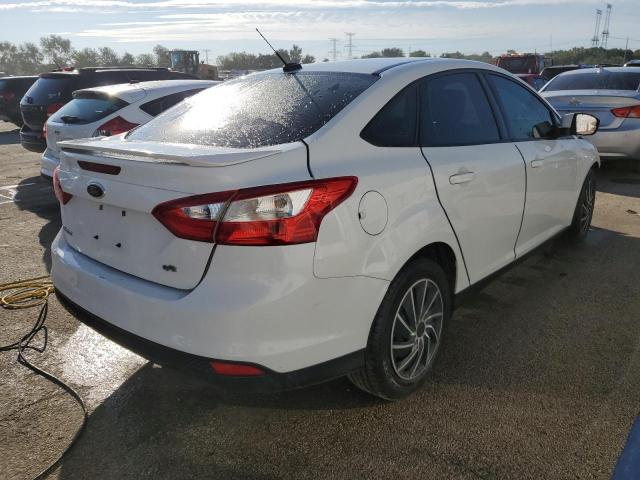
206,53
595,39
334,51
605,30
349,44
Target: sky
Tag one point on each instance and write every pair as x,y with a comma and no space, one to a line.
223,26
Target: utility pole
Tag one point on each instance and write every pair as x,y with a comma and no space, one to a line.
605,30
626,47
595,39
334,51
206,55
349,44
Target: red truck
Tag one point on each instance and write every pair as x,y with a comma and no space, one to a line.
523,62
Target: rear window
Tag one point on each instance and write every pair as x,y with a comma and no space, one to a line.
258,110
53,89
81,111
602,80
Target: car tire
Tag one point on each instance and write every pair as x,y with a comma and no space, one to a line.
584,209
386,373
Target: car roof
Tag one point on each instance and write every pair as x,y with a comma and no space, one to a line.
130,92
19,77
379,65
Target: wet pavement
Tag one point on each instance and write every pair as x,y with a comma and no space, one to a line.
539,378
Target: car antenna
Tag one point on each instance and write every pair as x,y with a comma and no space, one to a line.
288,66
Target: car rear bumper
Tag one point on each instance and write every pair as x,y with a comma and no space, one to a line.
32,140
618,143
286,321
48,163
201,366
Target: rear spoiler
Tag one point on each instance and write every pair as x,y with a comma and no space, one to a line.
193,155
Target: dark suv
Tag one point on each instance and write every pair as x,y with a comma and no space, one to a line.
11,91
52,90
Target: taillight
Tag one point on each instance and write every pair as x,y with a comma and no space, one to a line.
627,112
115,126
62,196
273,215
235,369
53,108
7,96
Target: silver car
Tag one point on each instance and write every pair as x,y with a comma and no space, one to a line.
611,94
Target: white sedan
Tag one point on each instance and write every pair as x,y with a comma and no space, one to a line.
111,110
290,227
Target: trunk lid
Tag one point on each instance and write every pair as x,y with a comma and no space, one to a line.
598,103
118,229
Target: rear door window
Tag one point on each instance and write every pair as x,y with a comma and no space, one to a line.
395,124
81,111
159,105
454,110
257,110
527,117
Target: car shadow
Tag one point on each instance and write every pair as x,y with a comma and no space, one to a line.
545,327
36,195
10,137
619,178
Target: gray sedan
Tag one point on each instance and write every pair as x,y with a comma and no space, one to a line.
611,94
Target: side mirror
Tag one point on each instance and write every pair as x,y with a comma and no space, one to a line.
580,124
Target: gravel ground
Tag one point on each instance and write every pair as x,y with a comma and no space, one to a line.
540,376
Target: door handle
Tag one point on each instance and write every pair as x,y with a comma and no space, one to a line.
537,163
461,178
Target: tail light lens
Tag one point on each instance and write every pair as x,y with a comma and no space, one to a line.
53,108
7,96
115,126
273,215
627,112
62,196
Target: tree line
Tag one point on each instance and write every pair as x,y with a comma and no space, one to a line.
55,51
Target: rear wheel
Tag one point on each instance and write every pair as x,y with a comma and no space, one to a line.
407,332
584,209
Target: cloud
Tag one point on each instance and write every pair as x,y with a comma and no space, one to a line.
51,5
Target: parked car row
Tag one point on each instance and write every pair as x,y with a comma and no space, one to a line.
300,224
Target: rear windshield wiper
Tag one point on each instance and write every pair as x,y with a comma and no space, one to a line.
71,119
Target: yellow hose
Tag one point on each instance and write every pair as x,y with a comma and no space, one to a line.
26,293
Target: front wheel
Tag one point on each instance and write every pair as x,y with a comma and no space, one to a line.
407,332
584,209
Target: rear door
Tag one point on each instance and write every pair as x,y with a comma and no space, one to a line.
552,163
479,175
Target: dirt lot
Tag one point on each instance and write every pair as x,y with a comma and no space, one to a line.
540,377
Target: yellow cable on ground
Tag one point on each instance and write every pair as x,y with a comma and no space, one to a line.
26,293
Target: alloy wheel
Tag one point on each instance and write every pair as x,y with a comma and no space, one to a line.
417,328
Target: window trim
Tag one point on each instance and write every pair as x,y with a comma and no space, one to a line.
497,114
554,115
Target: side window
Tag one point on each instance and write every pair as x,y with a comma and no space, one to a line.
395,124
454,110
159,105
526,116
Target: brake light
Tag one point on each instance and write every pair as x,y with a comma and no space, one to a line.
62,196
235,369
53,108
7,96
272,215
627,112
115,126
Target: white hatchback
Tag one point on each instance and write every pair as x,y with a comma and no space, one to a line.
290,227
111,110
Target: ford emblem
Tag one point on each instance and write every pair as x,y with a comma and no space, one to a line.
95,190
